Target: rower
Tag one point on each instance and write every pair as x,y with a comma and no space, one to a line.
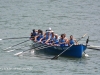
72,40
66,40
56,40
33,34
46,37
39,35
63,41
52,36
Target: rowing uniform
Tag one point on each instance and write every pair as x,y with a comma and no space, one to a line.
56,41
71,42
62,41
33,34
47,36
39,37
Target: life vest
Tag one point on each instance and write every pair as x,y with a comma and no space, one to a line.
39,37
72,42
33,34
56,41
62,41
47,36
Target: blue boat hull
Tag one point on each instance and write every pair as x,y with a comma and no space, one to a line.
74,51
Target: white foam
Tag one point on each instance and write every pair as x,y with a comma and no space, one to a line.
86,55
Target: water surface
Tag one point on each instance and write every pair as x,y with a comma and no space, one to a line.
19,17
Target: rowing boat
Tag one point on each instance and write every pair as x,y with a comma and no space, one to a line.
74,51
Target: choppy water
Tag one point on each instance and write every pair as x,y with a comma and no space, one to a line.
76,17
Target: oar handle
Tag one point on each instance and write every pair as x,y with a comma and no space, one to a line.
84,35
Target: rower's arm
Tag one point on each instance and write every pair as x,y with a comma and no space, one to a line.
36,38
76,42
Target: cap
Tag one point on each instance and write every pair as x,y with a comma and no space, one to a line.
49,28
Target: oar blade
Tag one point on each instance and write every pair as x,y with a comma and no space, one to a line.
14,38
10,51
18,53
93,46
87,40
7,48
0,39
56,57
84,35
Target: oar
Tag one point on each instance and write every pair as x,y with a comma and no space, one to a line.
15,49
86,46
27,50
93,47
43,47
14,38
19,53
17,44
39,47
55,57
92,40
